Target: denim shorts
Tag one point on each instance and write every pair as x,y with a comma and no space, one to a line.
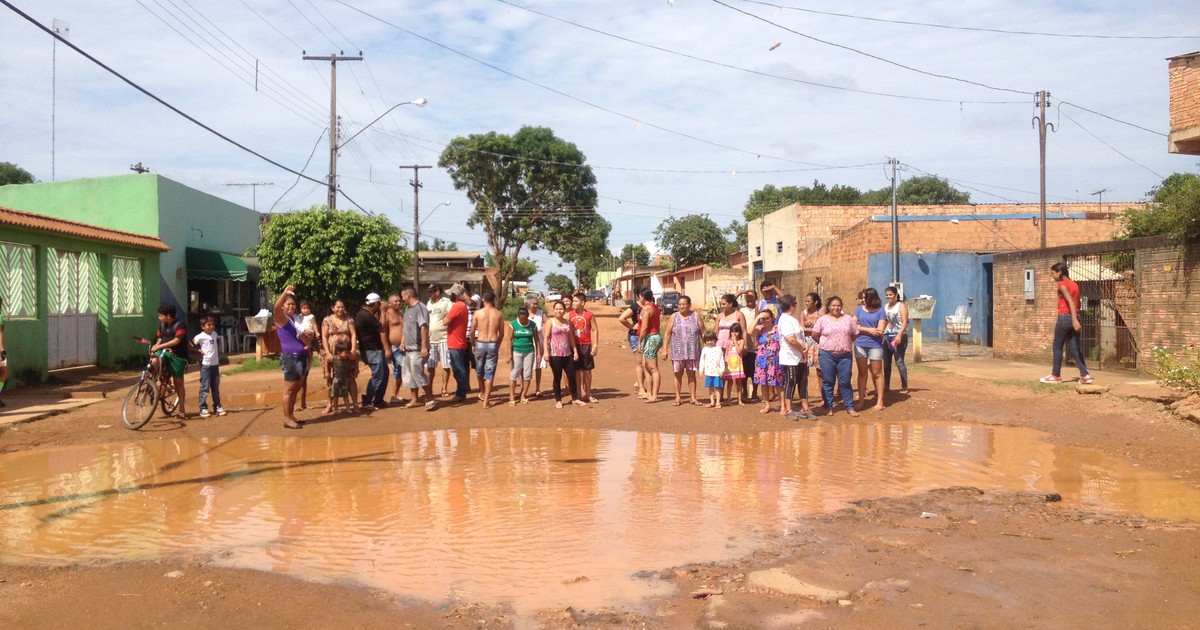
486,355
292,366
873,354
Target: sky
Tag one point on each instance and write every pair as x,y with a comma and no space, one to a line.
681,107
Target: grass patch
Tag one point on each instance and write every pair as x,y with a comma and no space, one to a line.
924,368
1036,387
264,365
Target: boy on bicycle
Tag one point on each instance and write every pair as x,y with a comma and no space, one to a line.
170,350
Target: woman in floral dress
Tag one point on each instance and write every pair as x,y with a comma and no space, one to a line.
767,374
683,339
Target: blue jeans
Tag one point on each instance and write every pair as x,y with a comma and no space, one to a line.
895,354
1065,335
458,365
379,377
836,366
633,341
210,381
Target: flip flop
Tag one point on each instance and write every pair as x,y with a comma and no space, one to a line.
676,403
288,426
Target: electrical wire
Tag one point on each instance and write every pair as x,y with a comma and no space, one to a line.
1114,149
1117,120
306,163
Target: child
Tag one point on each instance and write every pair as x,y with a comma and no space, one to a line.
170,350
306,332
734,375
344,384
712,363
210,366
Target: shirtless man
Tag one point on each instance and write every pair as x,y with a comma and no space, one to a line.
487,329
392,319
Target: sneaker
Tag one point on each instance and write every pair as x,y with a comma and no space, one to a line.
221,412
204,413
1086,379
1051,379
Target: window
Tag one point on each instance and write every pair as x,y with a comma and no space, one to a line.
779,246
127,286
757,251
18,281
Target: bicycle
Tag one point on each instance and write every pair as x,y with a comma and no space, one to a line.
154,389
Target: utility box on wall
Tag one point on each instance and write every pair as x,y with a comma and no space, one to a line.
1029,284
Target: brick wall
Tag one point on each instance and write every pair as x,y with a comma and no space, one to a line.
1184,83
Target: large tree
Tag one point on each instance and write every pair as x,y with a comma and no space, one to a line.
590,253
559,282
12,174
438,246
530,190
768,199
332,254
636,253
924,191
525,269
693,240
1174,210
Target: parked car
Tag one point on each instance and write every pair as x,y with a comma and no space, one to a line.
553,296
595,295
669,302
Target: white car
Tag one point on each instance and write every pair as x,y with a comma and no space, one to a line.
553,296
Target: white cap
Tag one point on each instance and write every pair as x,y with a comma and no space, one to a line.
372,298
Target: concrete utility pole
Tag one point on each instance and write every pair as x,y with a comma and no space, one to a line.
1043,98
333,145
416,184
895,226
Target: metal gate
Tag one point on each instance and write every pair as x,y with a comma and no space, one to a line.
1109,307
72,324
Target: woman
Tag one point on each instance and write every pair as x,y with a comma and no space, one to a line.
339,348
523,354
560,350
868,345
895,339
728,314
767,374
683,340
834,333
291,356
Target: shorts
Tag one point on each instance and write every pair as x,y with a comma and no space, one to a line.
397,361
586,360
633,341
487,353
413,373
438,353
873,354
651,345
292,366
690,365
174,365
713,381
522,366
307,356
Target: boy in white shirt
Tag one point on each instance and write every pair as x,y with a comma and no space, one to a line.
210,366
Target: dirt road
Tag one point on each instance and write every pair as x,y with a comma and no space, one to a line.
950,557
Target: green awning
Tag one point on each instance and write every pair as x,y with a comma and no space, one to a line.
205,264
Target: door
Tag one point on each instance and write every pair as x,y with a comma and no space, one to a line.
74,286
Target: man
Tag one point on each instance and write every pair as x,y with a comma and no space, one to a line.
631,319
536,315
487,329
392,321
416,350
1067,327
438,305
750,354
474,303
650,340
375,350
770,298
587,335
3,354
456,342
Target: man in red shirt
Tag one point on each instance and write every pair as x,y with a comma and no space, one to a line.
456,342
587,335
1067,326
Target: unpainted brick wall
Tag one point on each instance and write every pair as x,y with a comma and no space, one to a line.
1184,85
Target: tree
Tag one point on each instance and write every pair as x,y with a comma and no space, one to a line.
525,270
738,238
1174,210
637,253
559,282
927,190
768,199
331,254
438,246
530,189
591,254
12,174
693,240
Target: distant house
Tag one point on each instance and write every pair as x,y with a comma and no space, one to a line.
446,268
704,284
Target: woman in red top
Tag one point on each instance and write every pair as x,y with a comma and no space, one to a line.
651,342
1067,326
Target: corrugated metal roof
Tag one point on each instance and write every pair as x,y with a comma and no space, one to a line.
33,221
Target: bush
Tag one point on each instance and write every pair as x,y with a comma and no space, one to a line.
1171,372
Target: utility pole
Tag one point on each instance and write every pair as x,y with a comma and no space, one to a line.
333,146
1101,194
60,28
416,185
1043,98
254,191
895,226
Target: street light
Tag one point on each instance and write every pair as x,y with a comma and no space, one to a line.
420,102
417,244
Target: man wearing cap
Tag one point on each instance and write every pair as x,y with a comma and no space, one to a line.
375,350
456,342
438,306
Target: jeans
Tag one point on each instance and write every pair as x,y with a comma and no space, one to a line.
896,354
458,365
1064,334
836,366
558,365
379,377
397,361
210,381
633,341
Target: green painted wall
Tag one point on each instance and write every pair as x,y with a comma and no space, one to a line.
125,202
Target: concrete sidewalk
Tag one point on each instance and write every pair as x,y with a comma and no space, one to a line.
21,409
1116,382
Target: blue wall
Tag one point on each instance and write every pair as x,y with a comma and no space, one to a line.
952,278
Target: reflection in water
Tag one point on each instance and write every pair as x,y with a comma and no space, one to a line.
515,515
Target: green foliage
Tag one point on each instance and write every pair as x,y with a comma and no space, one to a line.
924,190
530,189
1174,210
255,365
928,190
693,240
637,253
332,254
560,283
525,270
1172,372
12,174
591,252
438,246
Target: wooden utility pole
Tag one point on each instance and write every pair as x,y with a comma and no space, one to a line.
1043,98
416,185
333,145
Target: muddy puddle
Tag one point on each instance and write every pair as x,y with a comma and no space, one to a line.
531,518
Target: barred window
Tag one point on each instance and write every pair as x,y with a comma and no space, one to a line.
127,286
18,281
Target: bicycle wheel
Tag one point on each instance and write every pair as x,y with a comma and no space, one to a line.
139,405
168,398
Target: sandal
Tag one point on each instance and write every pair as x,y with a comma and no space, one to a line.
579,402
852,412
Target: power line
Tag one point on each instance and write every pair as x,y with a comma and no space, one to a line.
1090,111
968,28
1115,150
